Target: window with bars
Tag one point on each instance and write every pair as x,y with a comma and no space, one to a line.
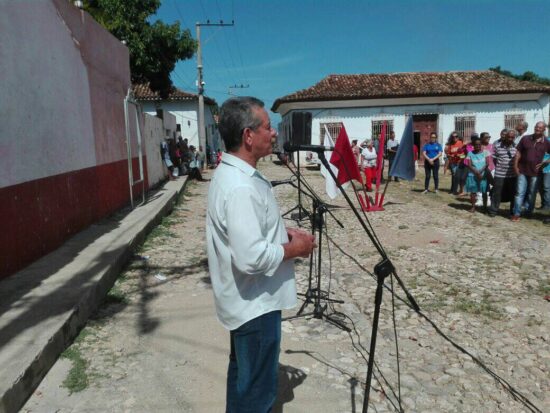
465,126
376,128
333,128
512,120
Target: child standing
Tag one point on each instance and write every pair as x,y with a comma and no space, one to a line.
476,180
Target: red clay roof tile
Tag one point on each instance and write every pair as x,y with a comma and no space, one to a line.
395,85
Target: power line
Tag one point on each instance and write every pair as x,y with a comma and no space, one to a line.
181,15
235,36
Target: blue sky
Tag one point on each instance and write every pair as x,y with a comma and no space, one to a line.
279,47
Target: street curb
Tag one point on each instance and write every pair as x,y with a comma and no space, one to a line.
97,256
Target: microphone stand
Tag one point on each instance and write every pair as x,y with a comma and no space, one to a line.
382,270
302,212
315,295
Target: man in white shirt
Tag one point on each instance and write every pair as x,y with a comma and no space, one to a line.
521,131
250,256
392,146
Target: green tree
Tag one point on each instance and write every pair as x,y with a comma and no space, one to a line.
529,76
155,47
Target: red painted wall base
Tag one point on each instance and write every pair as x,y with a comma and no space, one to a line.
38,216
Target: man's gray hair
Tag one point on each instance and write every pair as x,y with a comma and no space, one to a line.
523,124
236,115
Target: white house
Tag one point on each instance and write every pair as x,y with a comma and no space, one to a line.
474,101
184,106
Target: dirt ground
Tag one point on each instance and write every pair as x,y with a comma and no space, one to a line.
479,344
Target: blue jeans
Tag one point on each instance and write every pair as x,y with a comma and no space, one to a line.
546,190
456,173
429,169
253,365
526,189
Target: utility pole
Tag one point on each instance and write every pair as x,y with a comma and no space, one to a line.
236,87
200,81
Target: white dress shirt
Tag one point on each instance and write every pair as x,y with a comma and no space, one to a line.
369,157
244,235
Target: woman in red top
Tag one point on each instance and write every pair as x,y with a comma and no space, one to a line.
455,154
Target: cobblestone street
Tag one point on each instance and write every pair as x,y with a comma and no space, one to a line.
480,343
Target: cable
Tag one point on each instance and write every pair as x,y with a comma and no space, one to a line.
516,395
362,348
396,342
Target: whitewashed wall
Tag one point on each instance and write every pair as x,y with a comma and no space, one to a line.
489,117
152,136
186,116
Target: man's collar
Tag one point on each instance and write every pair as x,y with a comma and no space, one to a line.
237,162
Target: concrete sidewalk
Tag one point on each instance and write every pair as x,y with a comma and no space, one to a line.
43,307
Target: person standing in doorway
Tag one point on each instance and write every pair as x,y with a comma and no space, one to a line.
432,152
250,256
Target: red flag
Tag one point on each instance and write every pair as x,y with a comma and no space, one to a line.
380,154
343,159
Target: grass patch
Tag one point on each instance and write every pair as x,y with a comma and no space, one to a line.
77,379
162,230
544,288
485,307
437,303
116,295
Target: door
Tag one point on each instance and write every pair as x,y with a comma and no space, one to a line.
423,126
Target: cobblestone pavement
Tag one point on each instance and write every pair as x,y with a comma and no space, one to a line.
480,343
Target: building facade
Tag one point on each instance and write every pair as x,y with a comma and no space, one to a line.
441,102
184,106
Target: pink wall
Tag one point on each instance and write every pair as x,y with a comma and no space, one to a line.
63,156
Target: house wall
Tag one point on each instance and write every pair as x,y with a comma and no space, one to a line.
63,156
186,115
489,117
153,134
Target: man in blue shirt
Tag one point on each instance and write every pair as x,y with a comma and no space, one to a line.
432,151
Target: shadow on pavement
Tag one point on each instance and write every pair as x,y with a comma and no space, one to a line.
289,378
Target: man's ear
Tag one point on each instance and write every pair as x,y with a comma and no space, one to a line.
247,136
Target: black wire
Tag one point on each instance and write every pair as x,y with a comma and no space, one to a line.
378,244
362,348
516,395
396,342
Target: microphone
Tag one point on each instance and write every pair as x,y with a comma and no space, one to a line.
281,182
289,147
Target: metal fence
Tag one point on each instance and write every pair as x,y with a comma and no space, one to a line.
465,126
512,120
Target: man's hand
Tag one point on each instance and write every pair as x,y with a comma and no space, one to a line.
541,165
301,244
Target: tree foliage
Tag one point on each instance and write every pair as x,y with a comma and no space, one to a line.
155,47
529,76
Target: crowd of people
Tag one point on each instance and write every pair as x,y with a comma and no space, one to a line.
183,159
514,168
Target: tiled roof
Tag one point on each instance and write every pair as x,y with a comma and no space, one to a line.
143,92
395,85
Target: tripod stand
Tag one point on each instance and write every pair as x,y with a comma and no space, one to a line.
382,270
314,295
301,211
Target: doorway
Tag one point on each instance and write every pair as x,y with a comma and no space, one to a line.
423,126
